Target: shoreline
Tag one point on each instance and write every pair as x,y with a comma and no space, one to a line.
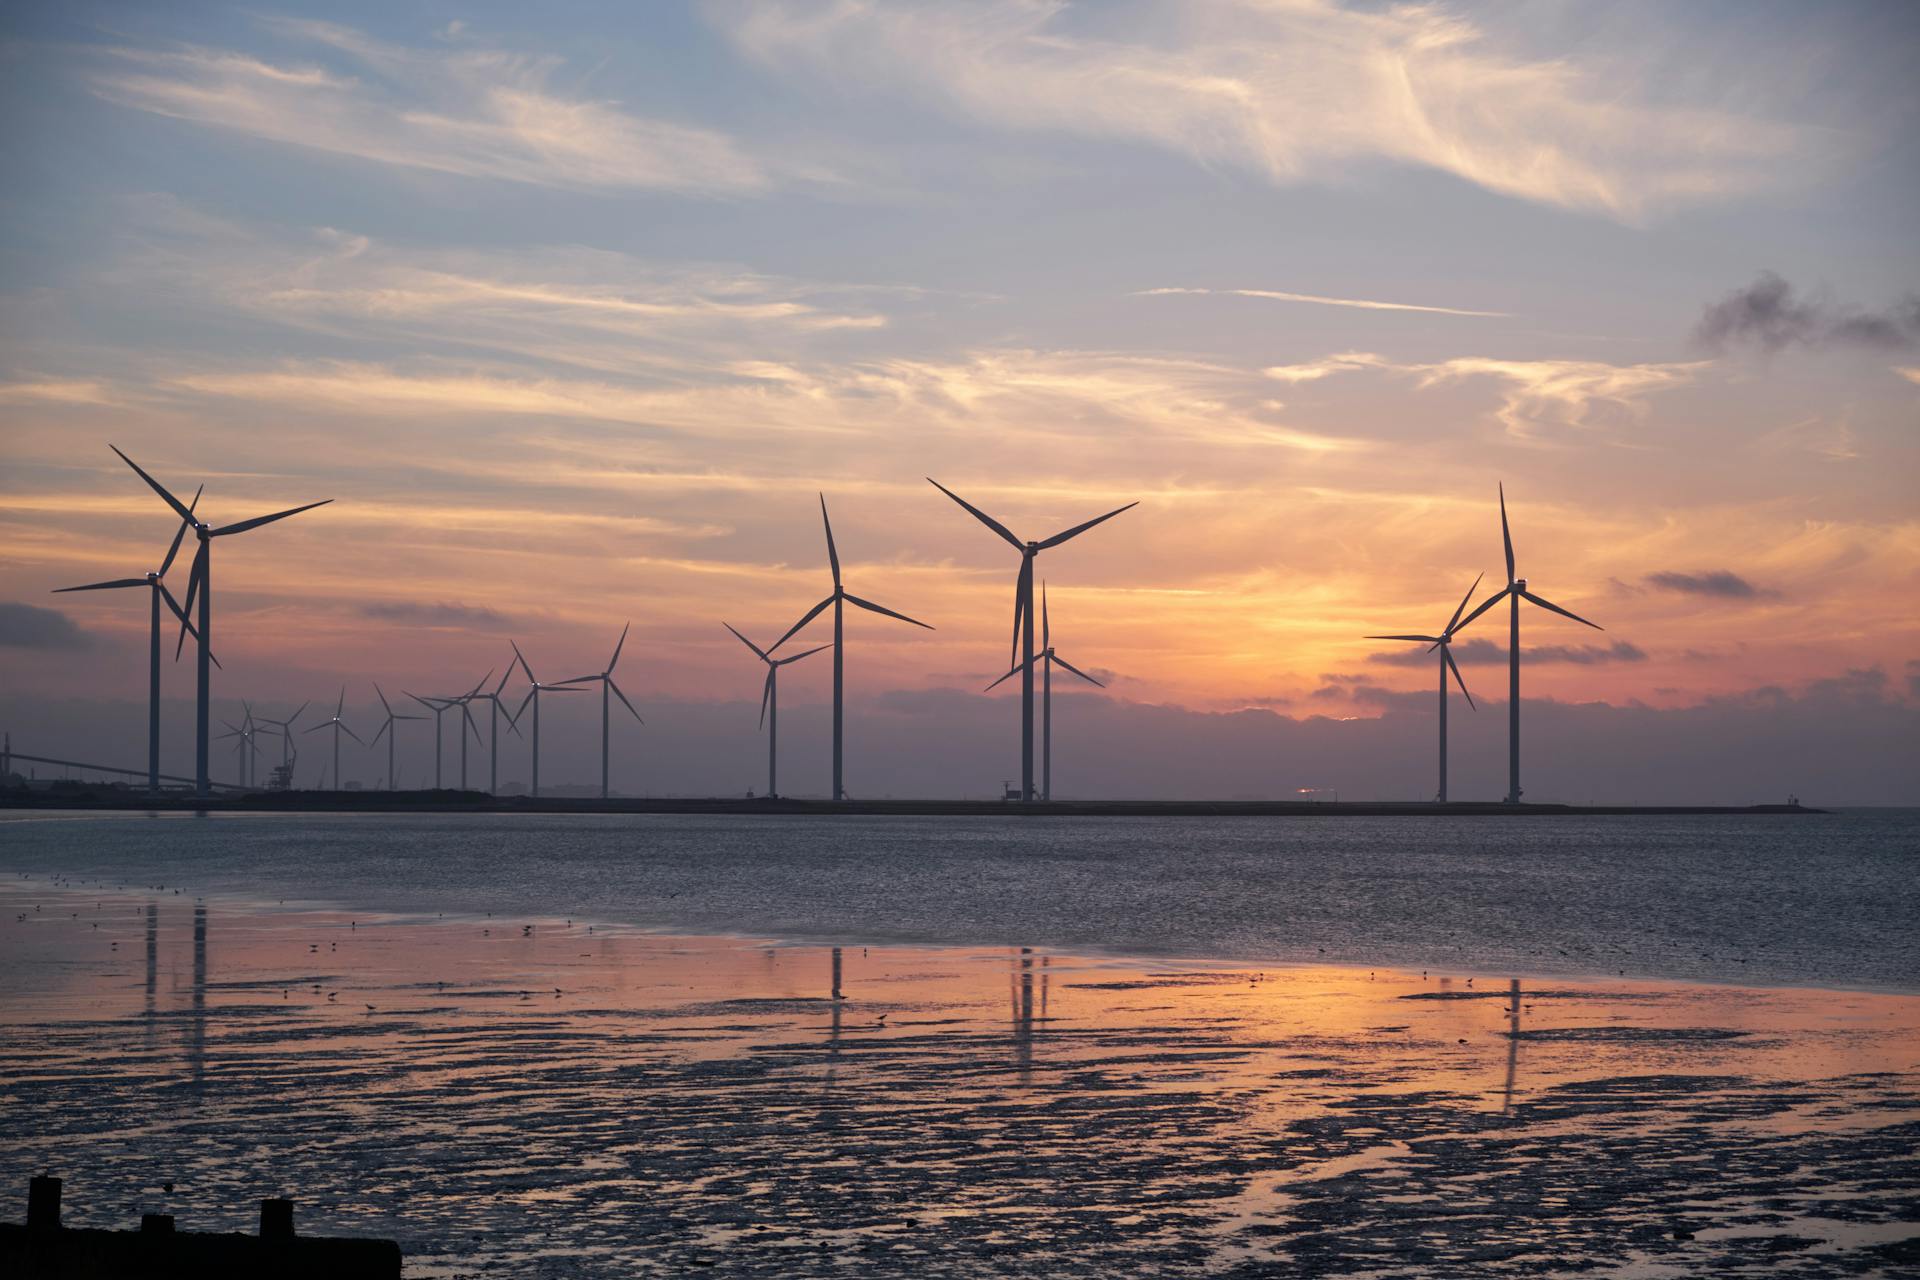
447,801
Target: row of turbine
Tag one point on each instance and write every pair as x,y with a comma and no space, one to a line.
1026,660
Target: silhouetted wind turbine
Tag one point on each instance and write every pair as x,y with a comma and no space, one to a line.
287,752
493,724
339,727
157,591
1444,642
770,702
841,596
533,696
438,706
1047,657
1515,591
606,683
1023,613
387,730
201,580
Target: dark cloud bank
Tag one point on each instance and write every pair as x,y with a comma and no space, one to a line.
1769,316
28,626
1851,740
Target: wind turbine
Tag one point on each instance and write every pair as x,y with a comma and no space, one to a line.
201,580
437,706
1444,642
245,749
1515,591
387,729
157,591
339,727
1023,615
1048,658
606,683
533,696
840,597
286,738
493,724
770,702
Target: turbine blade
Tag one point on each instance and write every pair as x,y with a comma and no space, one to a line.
257,521
1079,529
623,698
383,700
180,533
296,715
524,701
194,578
833,556
1483,606
1418,639
342,705
1568,613
178,612
1003,679
1506,537
324,724
185,513
766,693
351,734
809,616
1020,586
1448,629
579,680
468,713
422,701
504,677
1457,677
743,640
781,662
382,733
871,607
103,586
1046,627
618,647
980,515
1077,671
522,659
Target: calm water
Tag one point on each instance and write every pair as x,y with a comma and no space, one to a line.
1828,901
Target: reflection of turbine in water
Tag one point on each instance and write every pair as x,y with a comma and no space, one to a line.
1022,999
153,963
197,1024
1513,1039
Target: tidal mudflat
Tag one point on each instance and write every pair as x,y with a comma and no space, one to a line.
518,1096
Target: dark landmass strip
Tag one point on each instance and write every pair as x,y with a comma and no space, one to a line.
83,796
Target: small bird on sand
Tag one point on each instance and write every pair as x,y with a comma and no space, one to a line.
369,1008
332,994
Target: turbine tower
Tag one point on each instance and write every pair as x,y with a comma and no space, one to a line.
392,735
1514,592
201,580
157,590
339,727
770,703
1047,657
1444,642
840,597
533,696
606,684
1023,615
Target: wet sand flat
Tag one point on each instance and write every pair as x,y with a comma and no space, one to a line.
562,1098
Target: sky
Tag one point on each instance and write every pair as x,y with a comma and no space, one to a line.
576,310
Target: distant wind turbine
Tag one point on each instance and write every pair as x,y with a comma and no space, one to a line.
1047,657
389,732
533,696
606,684
201,580
1444,643
770,703
841,596
1023,615
493,724
1515,591
339,727
287,752
157,591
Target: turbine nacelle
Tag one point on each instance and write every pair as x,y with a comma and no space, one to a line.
1519,584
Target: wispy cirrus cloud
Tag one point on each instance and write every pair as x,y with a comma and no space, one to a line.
1534,393
479,113
1362,304
1292,91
